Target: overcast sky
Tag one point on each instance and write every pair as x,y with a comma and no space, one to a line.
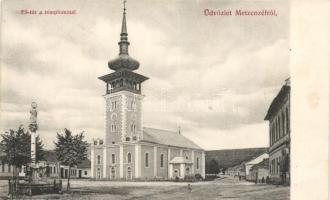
215,77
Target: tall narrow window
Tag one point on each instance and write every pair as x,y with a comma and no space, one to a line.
98,159
113,128
3,166
197,163
280,126
113,158
147,160
161,160
133,128
272,135
278,130
283,124
114,105
129,158
287,121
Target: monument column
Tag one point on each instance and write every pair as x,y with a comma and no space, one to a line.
33,126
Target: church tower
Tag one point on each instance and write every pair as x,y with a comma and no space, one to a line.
123,120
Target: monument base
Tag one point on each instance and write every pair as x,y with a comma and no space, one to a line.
37,181
37,173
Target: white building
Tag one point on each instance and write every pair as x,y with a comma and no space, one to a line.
254,161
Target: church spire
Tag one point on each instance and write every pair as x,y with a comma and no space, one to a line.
123,26
123,44
123,61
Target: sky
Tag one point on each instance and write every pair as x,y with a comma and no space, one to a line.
214,77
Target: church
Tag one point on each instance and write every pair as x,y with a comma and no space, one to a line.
130,151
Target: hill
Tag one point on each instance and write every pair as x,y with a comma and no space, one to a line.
231,157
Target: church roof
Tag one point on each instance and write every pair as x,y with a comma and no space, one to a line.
170,138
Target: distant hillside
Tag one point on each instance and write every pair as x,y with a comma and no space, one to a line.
231,157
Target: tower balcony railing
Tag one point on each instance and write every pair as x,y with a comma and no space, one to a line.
113,90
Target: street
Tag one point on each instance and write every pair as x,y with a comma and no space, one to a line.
226,188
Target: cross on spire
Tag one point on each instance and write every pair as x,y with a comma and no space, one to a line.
124,6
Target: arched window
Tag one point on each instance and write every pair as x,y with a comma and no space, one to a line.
129,158
278,129
98,159
161,160
133,128
283,124
275,133
113,158
279,126
197,163
272,135
113,128
147,160
287,121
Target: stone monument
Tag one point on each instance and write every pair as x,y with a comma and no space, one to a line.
33,126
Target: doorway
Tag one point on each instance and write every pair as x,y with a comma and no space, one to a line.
129,173
112,173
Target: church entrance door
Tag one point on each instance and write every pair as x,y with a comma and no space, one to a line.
129,173
112,173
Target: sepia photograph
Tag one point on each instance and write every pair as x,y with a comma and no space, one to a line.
148,99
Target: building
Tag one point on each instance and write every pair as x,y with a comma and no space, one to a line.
278,116
84,169
6,171
260,172
54,168
248,165
129,150
236,171
229,158
57,170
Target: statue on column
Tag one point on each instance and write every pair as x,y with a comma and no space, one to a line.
33,126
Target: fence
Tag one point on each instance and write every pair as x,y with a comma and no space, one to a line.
15,187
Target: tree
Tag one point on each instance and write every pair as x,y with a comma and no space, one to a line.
17,148
70,150
213,167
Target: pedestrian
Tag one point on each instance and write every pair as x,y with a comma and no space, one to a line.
189,188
